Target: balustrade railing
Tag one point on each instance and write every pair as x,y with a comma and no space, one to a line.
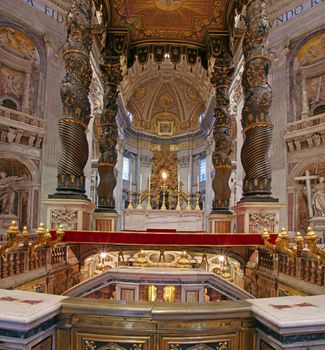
21,117
307,264
19,254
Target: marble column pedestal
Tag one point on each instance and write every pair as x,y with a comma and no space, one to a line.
105,221
253,217
221,223
72,214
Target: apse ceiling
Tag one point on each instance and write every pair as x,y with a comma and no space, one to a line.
165,101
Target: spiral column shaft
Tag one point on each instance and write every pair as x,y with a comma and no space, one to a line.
111,77
256,121
221,79
76,108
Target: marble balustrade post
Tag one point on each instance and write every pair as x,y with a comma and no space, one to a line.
256,121
76,107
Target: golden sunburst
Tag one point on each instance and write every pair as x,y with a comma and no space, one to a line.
168,13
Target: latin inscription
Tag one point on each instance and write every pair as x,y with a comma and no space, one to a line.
296,11
46,9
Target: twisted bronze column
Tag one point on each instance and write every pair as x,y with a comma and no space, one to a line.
111,77
221,79
76,107
256,121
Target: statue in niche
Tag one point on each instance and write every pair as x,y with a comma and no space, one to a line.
9,185
318,198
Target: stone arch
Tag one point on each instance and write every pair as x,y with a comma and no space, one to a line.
296,46
23,201
41,50
28,163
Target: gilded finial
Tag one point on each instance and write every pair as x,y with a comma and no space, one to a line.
299,237
311,234
25,235
47,235
265,234
284,233
60,233
40,230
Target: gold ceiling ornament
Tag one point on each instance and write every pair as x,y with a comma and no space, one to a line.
166,101
165,19
165,124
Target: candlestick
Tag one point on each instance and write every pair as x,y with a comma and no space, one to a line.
178,207
189,202
149,182
163,206
139,202
178,182
130,182
189,183
140,183
198,183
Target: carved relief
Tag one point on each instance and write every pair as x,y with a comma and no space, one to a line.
11,82
98,345
66,217
258,221
223,345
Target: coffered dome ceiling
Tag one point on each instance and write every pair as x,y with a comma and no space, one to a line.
166,101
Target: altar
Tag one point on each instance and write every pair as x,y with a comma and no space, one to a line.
180,220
